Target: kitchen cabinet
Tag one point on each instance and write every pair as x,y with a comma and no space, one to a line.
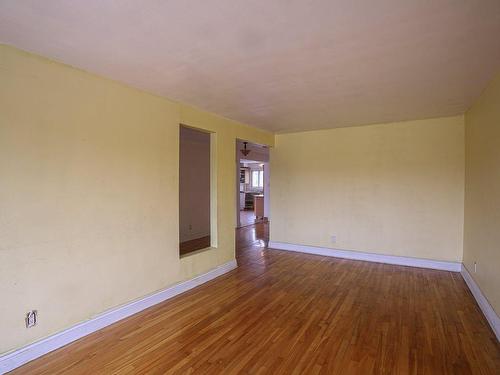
244,175
258,206
242,200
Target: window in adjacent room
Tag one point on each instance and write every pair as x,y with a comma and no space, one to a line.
257,179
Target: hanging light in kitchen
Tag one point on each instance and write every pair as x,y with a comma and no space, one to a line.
245,151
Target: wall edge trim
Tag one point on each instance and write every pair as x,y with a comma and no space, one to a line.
488,311
11,360
369,257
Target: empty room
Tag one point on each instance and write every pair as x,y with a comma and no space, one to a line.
250,187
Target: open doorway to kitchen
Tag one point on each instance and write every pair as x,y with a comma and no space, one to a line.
253,183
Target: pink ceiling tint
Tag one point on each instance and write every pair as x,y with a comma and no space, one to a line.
279,65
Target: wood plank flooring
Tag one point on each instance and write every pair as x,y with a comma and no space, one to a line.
247,217
292,313
194,245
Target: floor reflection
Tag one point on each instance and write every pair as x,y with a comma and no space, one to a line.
251,243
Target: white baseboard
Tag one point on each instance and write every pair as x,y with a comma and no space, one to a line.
484,305
369,257
30,352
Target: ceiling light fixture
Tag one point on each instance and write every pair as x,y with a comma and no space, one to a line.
245,151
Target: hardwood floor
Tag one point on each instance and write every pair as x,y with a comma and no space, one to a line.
247,217
292,313
194,245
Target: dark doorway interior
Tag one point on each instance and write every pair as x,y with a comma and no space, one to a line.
194,190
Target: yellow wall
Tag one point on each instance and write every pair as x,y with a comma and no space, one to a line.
394,189
89,194
482,192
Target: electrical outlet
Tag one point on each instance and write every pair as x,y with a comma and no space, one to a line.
333,238
475,267
31,318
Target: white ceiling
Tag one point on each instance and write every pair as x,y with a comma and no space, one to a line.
281,65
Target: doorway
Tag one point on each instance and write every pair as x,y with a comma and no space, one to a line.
253,183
